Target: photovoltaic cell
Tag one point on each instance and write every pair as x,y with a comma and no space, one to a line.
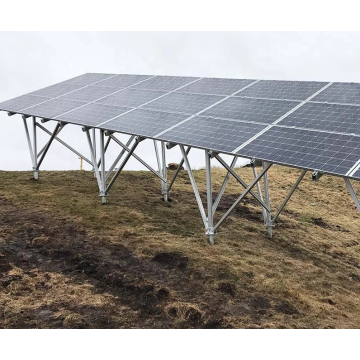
183,103
87,79
123,80
343,93
165,83
326,117
22,102
89,93
144,122
52,108
216,86
212,134
246,109
307,149
131,97
92,114
288,90
56,90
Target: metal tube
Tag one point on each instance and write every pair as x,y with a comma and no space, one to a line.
223,186
127,157
103,179
106,147
94,147
210,215
112,167
137,158
63,143
259,191
352,193
93,158
36,173
193,183
50,133
241,181
157,155
29,143
267,200
164,172
48,145
178,169
251,185
288,196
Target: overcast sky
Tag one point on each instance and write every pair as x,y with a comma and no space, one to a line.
32,60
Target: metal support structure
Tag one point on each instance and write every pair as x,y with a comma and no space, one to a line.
103,173
352,193
61,142
94,146
36,170
210,213
29,144
247,190
259,189
164,173
289,196
268,222
193,183
178,169
126,159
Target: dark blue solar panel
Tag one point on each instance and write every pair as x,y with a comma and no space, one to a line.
212,134
144,122
307,149
123,80
344,93
257,110
165,83
327,117
290,90
22,102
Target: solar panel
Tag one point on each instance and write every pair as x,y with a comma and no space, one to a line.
344,93
51,108
213,134
92,114
183,103
123,80
165,83
144,122
288,90
87,79
225,115
257,110
22,102
89,93
216,86
326,117
131,97
56,90
326,152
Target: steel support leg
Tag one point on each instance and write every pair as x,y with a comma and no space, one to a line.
193,183
94,147
268,222
210,215
36,171
32,155
164,172
259,191
352,193
103,173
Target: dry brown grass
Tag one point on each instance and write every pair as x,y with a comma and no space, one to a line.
68,261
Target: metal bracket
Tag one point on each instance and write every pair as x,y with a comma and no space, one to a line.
170,145
316,175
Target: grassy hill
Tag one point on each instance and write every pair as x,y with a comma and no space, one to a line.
68,261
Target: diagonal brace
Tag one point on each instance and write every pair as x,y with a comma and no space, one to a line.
178,169
242,182
248,189
352,193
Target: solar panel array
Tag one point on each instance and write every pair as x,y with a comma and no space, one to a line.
311,125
